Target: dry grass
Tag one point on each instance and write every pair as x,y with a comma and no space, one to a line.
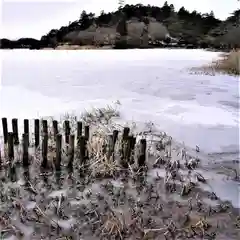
106,201
228,63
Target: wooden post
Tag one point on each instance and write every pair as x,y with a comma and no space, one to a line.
71,150
58,151
110,143
15,131
36,132
133,142
142,155
132,146
82,143
79,129
86,132
126,131
45,127
44,150
67,131
26,128
55,128
10,146
5,130
110,146
25,149
115,136
124,146
128,149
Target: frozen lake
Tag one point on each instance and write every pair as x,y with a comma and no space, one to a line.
151,85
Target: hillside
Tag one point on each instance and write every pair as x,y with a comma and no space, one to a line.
138,34
142,26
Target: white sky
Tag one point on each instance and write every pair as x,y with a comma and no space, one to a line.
33,18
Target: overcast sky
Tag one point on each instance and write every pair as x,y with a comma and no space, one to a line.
33,18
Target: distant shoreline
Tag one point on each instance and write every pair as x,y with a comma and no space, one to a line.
77,47
108,47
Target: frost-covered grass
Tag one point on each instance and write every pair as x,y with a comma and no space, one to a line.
101,199
229,63
226,63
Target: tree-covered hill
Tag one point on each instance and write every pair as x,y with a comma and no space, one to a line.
142,26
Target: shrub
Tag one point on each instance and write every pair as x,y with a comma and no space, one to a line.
228,63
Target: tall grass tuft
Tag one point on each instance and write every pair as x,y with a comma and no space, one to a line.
228,63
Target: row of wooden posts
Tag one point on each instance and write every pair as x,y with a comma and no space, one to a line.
12,139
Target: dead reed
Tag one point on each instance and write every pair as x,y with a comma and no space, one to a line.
118,183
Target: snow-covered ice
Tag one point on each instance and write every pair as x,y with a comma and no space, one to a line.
151,85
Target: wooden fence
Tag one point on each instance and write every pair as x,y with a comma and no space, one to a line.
42,135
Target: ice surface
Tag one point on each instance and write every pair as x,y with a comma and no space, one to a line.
152,85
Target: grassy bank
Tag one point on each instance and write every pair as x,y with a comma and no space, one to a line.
228,63
110,195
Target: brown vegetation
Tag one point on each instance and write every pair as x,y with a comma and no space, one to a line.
228,63
109,196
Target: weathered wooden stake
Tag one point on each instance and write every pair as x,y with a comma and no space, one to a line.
110,143
115,136
86,132
55,128
36,132
79,129
128,149
10,146
58,151
132,145
142,155
26,128
133,142
45,150
82,145
110,146
67,131
25,149
5,130
45,127
126,131
15,131
71,150
124,146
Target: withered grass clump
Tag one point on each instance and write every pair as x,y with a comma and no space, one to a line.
105,198
228,63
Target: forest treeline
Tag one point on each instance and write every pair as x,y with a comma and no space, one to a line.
139,25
